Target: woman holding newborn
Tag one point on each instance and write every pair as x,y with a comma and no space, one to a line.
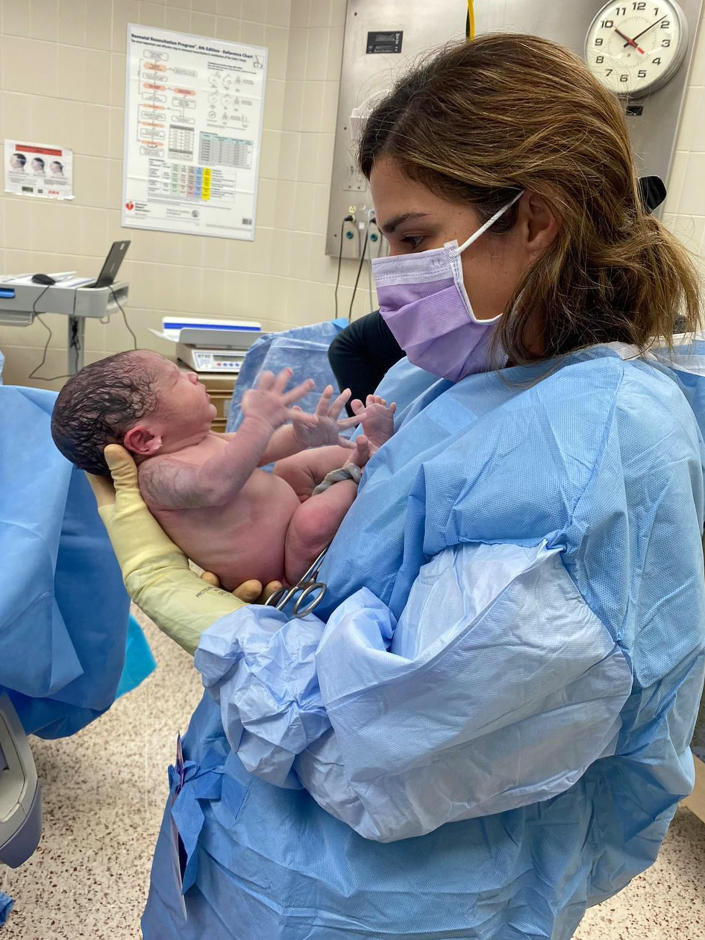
484,728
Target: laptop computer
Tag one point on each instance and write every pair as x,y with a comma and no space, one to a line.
107,274
111,265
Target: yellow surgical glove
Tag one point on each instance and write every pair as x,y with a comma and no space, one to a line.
155,570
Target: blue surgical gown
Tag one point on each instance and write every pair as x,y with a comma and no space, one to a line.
487,727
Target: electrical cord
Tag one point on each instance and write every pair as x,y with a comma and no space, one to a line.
124,316
35,313
33,373
74,342
347,218
470,22
357,278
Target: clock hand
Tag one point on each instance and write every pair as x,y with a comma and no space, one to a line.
650,27
629,42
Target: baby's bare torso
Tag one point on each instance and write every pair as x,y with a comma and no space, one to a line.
241,539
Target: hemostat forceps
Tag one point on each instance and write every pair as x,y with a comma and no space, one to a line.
307,585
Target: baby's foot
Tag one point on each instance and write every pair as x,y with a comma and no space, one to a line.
377,420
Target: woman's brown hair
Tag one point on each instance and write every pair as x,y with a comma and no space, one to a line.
506,112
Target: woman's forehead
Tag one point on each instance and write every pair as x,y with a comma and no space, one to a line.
398,199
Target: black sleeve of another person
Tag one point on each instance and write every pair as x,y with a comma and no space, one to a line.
361,354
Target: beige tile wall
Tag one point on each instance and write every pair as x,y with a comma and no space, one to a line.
684,211
62,79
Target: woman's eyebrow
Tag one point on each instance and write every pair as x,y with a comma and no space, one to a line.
396,221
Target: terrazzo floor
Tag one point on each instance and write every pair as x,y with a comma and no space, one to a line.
103,794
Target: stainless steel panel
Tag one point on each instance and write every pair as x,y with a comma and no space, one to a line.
428,25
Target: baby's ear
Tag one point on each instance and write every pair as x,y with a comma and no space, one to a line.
142,441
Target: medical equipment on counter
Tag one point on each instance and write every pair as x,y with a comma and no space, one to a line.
210,345
21,299
216,349
20,795
306,586
210,360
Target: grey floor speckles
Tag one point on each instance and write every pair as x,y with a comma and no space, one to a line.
104,791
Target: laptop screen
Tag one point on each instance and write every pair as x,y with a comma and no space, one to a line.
111,265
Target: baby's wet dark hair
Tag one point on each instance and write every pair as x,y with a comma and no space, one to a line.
99,404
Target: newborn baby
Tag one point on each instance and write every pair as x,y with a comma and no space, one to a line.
204,488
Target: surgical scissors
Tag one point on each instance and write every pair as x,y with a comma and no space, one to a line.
307,585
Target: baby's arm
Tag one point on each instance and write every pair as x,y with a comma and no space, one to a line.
184,482
303,433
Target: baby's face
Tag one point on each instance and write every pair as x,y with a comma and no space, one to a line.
183,403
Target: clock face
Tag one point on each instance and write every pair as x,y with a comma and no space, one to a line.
635,47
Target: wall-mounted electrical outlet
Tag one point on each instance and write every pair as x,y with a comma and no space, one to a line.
354,181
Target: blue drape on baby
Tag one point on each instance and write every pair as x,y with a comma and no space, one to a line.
67,644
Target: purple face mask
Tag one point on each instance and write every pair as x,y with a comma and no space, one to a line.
423,301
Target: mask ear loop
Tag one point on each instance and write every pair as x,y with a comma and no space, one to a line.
490,222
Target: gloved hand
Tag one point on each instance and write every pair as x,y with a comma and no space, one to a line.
155,570
250,591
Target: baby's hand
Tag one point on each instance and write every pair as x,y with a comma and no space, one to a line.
328,425
269,403
377,420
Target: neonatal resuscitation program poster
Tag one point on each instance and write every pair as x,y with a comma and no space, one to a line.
193,133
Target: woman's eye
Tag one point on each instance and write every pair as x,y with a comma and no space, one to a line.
413,241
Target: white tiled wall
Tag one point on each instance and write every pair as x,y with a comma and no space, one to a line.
62,81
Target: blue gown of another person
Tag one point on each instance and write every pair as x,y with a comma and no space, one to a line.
305,348
67,643
487,728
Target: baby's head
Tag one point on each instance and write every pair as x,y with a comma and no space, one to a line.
99,404
138,399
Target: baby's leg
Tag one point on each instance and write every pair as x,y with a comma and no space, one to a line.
313,525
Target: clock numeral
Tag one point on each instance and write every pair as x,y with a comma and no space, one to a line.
624,77
657,60
620,11
599,59
599,41
609,71
666,43
607,24
641,73
639,6
665,24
